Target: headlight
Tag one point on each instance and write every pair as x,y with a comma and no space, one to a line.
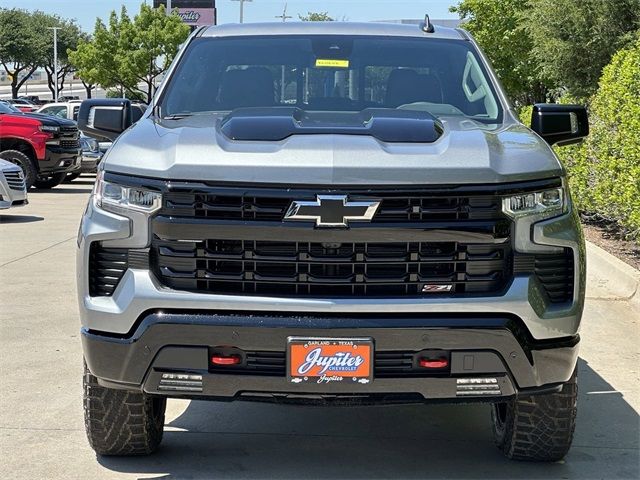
120,198
93,144
49,129
545,202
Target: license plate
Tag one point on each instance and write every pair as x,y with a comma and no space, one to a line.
329,360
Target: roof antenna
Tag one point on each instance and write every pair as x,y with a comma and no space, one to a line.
427,26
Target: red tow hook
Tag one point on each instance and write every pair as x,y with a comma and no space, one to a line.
228,360
433,362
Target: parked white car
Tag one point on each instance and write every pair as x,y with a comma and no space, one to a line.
13,189
61,109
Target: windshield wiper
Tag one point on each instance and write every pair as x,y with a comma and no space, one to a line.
178,116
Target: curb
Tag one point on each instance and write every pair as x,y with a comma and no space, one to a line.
609,278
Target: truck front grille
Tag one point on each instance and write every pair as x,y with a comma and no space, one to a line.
281,268
69,143
266,205
15,180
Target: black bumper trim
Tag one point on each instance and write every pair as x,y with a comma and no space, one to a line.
54,155
179,342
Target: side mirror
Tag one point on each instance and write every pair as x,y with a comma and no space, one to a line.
560,124
104,118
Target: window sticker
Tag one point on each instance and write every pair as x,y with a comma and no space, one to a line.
332,63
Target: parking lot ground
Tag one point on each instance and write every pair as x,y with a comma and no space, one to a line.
41,424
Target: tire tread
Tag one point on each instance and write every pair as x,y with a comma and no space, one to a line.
121,422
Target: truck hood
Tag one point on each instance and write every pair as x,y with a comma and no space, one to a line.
195,148
48,119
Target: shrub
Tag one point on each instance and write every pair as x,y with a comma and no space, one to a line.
605,171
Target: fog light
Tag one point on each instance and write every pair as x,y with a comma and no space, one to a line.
180,382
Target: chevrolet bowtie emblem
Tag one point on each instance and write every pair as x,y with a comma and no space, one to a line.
332,211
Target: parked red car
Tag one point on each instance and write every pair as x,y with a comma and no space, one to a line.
46,148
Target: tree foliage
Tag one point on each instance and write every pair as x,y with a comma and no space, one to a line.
497,27
96,60
573,40
68,36
22,46
128,52
316,17
604,172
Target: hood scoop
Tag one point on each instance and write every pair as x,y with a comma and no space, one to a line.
278,123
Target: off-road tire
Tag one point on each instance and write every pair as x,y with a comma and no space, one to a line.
121,422
537,428
50,181
24,162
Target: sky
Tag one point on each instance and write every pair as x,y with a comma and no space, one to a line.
86,11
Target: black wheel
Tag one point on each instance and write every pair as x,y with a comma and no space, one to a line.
49,181
24,162
537,428
71,177
121,422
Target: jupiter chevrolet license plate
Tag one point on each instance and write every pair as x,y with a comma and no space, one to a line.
329,360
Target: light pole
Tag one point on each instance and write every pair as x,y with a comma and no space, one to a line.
168,8
284,18
242,8
55,62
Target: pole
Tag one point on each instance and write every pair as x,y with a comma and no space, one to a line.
55,62
168,7
284,18
242,8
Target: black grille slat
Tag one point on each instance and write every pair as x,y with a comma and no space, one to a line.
554,271
393,207
106,269
317,269
69,143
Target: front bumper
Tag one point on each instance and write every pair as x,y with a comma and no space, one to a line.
481,348
89,162
59,160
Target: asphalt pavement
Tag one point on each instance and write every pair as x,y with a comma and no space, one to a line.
41,423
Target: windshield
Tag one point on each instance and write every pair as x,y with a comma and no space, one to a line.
331,73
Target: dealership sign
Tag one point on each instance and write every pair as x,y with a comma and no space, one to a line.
193,12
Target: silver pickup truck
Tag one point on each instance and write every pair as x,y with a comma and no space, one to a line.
331,213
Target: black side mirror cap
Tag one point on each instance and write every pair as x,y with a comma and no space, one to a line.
560,124
104,118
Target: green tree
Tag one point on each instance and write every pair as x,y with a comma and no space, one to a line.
97,60
605,170
22,46
497,27
68,36
573,40
316,17
152,41
129,52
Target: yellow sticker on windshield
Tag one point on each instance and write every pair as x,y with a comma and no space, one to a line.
332,63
